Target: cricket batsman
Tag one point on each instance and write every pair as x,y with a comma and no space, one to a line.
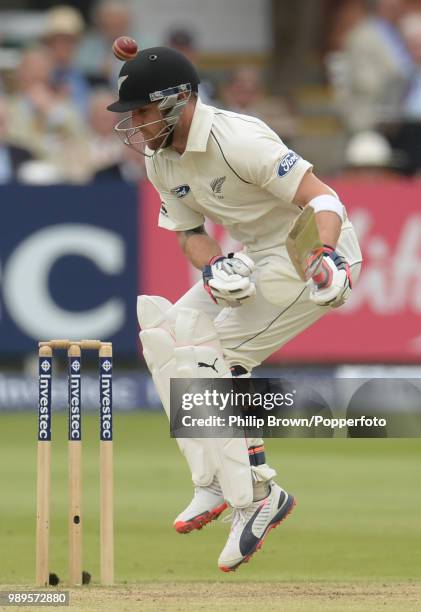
208,163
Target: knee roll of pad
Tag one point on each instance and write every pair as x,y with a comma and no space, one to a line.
198,351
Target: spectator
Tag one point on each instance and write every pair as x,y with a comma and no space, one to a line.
11,157
104,148
45,121
183,40
341,17
111,19
375,56
244,94
38,172
411,30
369,156
408,134
130,168
64,27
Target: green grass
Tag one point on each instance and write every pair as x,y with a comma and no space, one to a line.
357,519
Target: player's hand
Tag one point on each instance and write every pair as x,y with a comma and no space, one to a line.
331,285
227,279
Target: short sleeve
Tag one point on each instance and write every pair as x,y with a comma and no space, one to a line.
270,164
174,215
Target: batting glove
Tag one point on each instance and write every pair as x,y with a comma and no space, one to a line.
331,285
227,279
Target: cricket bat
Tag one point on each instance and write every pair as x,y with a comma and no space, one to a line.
304,246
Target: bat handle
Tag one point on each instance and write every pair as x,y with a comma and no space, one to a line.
322,276
315,266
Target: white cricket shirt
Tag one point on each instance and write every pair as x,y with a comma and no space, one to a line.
235,171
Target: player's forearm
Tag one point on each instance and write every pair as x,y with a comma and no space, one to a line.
329,211
329,225
198,247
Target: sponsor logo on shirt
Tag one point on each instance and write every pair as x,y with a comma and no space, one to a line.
216,186
287,162
181,191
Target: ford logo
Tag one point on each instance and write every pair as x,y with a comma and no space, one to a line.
287,162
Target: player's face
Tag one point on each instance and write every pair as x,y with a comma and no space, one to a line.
145,129
150,123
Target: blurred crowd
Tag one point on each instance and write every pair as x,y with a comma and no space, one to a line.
54,126
375,72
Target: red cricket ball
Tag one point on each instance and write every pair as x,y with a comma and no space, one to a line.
125,48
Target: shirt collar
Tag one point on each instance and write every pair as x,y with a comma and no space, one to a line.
200,127
199,131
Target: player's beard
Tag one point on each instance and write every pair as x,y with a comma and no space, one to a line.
161,142
168,140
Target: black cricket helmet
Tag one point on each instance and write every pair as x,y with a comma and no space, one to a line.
157,74
152,75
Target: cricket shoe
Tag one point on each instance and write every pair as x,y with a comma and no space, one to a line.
251,525
207,504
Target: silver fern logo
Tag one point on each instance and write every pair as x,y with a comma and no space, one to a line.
121,81
216,186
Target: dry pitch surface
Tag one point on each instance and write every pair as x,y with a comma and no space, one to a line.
204,597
